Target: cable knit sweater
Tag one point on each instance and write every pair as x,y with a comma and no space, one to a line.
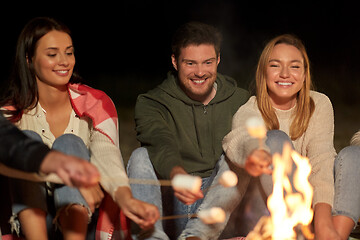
316,143
105,155
355,140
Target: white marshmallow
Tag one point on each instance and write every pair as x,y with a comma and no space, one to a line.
256,127
212,215
188,182
228,179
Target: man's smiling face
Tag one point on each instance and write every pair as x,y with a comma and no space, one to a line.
197,69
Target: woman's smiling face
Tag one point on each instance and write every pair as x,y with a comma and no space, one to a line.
285,75
54,59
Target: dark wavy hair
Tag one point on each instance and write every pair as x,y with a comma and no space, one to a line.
195,33
22,91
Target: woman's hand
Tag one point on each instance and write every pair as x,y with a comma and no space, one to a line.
93,196
142,213
323,223
258,163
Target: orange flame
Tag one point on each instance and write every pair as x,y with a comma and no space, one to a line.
289,208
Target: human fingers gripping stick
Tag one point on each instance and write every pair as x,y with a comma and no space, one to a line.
142,213
82,173
187,197
93,196
258,163
187,188
72,170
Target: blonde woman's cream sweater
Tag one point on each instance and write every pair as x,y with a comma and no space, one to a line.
355,140
316,143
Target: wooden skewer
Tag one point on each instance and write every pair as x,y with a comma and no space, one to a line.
141,181
157,182
150,182
178,216
261,140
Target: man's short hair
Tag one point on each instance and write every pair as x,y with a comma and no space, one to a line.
195,33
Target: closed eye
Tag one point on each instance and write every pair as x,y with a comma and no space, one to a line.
274,65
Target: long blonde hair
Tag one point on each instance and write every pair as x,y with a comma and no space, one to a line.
304,106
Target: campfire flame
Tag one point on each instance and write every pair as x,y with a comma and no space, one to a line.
288,208
290,211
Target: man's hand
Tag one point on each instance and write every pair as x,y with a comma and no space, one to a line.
258,163
73,171
142,213
185,196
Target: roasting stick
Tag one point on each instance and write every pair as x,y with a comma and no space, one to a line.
178,216
256,129
180,181
150,182
185,181
207,216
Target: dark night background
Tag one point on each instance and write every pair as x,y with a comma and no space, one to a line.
123,48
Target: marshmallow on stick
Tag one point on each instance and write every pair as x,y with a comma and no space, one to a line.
180,181
256,129
228,179
212,215
208,216
188,182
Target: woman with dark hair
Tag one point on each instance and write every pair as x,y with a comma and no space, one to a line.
45,98
294,113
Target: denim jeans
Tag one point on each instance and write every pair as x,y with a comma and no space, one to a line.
347,177
346,198
140,167
48,197
243,204
246,209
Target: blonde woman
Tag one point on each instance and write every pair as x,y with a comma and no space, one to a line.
294,113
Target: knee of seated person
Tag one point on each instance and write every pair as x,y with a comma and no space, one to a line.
66,141
348,155
73,210
139,159
276,140
139,156
69,139
32,135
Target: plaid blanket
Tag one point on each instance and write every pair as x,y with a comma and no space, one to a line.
95,104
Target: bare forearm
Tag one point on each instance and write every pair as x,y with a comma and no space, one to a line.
323,223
